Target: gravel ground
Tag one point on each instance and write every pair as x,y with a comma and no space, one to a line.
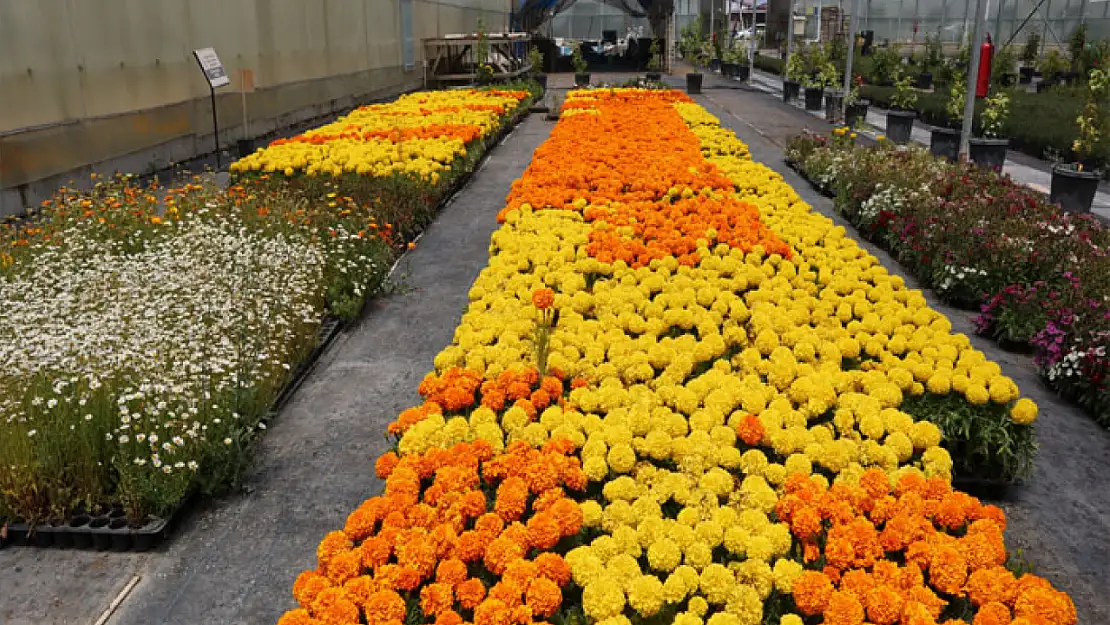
1059,519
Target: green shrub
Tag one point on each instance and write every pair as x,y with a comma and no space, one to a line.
770,64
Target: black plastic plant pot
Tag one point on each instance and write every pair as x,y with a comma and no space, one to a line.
945,143
1025,75
744,72
541,79
988,153
924,80
714,65
121,537
728,69
790,90
813,97
101,537
899,126
581,80
42,536
834,107
79,529
244,147
693,83
1072,189
1008,80
654,77
62,536
855,114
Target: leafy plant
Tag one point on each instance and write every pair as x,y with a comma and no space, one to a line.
995,113
1077,46
957,98
905,96
535,59
1053,64
933,57
827,76
655,62
1031,49
796,65
577,60
1003,62
1092,119
886,64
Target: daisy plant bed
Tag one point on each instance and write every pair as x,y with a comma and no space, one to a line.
677,395
149,333
1037,275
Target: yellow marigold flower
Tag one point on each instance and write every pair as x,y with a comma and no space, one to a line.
664,555
645,595
602,599
1024,411
785,572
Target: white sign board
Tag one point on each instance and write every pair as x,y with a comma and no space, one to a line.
212,67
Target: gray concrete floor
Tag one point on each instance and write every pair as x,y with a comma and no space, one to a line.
234,559
1060,519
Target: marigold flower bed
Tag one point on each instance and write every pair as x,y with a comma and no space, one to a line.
692,420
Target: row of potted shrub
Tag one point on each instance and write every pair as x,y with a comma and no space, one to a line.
1040,277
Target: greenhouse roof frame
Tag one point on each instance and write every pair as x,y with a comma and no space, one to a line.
534,13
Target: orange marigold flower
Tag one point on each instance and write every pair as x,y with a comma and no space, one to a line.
489,523
993,513
385,464
512,595
985,548
332,607
492,612
436,598
471,545
1045,604
843,609
543,597
512,498
750,430
473,504
811,592
947,570
448,617
875,483
579,382
910,483
470,593
553,567
500,553
308,585
345,566
953,509
361,522
520,572
333,543
994,584
540,399
451,571
993,613
419,553
300,616
375,551
884,605
568,514
805,523
552,385
384,607
360,588
543,298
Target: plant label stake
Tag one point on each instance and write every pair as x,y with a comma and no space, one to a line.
214,72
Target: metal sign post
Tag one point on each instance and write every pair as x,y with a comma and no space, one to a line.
973,75
851,56
214,71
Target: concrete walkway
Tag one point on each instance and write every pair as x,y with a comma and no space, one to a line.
1035,177
234,559
1060,520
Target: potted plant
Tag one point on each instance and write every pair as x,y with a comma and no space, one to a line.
743,66
855,111
717,52
813,81
554,110
795,69
581,76
1002,66
1052,66
1074,184
930,58
693,79
945,142
535,59
899,119
829,78
989,150
484,71
655,63
1029,58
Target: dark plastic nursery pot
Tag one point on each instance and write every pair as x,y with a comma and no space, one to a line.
945,143
924,80
1025,75
744,72
541,79
856,113
693,83
899,126
654,77
790,90
582,80
1072,189
989,153
79,529
813,97
834,106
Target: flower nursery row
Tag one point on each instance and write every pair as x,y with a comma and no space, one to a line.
1039,276
148,331
678,395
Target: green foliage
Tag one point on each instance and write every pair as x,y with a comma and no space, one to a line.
1052,64
577,60
1003,62
933,58
535,59
1077,46
1031,49
796,64
770,64
905,96
995,113
655,63
957,98
886,64
1092,119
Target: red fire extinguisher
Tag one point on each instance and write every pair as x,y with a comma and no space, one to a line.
982,87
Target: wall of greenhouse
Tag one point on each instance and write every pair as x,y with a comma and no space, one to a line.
112,84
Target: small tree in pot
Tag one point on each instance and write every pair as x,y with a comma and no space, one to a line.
795,70
815,77
899,120
535,59
945,141
829,78
655,63
989,150
855,111
581,76
1029,58
1074,184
